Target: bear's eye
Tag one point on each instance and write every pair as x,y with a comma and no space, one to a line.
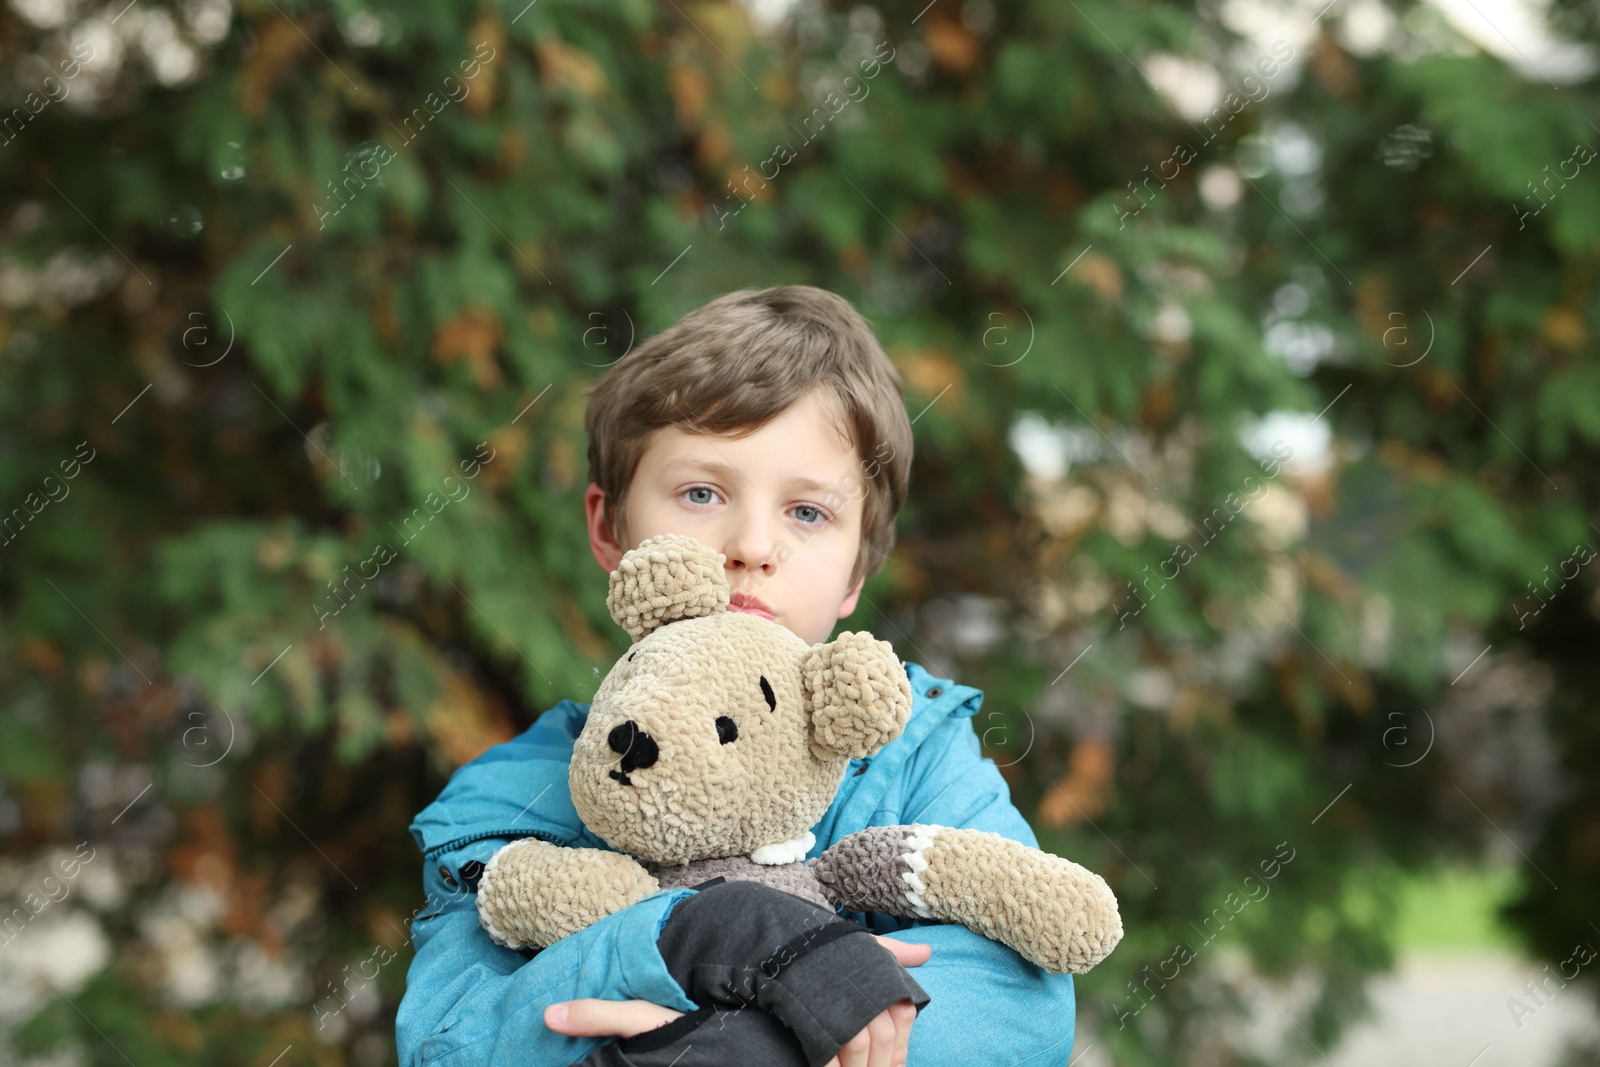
632,654
766,691
727,730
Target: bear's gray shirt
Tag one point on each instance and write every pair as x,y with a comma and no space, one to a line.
796,878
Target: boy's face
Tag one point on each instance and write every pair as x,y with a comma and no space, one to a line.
789,544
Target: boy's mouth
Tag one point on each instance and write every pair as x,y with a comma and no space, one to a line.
750,606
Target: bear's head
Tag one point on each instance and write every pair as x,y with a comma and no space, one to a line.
722,732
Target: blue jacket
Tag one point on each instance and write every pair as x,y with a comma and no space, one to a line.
470,1001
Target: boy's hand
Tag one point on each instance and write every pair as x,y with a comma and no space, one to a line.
882,1043
592,1017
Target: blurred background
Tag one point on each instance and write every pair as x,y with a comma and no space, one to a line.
1251,352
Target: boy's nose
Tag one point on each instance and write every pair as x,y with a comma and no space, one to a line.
753,547
637,748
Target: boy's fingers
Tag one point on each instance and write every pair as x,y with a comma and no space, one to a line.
903,1014
883,1030
881,1043
591,1017
907,955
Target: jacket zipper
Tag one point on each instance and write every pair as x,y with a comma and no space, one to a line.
460,841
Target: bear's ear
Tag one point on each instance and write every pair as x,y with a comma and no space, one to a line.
668,577
859,695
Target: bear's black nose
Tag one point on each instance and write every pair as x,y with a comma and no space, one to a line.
637,748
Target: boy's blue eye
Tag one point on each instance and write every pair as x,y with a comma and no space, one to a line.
809,514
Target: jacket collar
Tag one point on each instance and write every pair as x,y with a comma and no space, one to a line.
519,788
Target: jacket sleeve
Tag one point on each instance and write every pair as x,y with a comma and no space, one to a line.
989,1004
470,1001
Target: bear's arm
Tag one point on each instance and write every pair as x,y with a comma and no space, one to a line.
1052,911
533,893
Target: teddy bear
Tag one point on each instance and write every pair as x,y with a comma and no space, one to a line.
714,745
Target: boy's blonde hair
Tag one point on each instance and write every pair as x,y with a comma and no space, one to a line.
732,365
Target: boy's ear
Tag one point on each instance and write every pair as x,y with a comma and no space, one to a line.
858,693
848,607
605,546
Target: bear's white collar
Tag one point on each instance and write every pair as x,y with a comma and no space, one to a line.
785,851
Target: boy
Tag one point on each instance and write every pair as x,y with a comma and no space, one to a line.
770,425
